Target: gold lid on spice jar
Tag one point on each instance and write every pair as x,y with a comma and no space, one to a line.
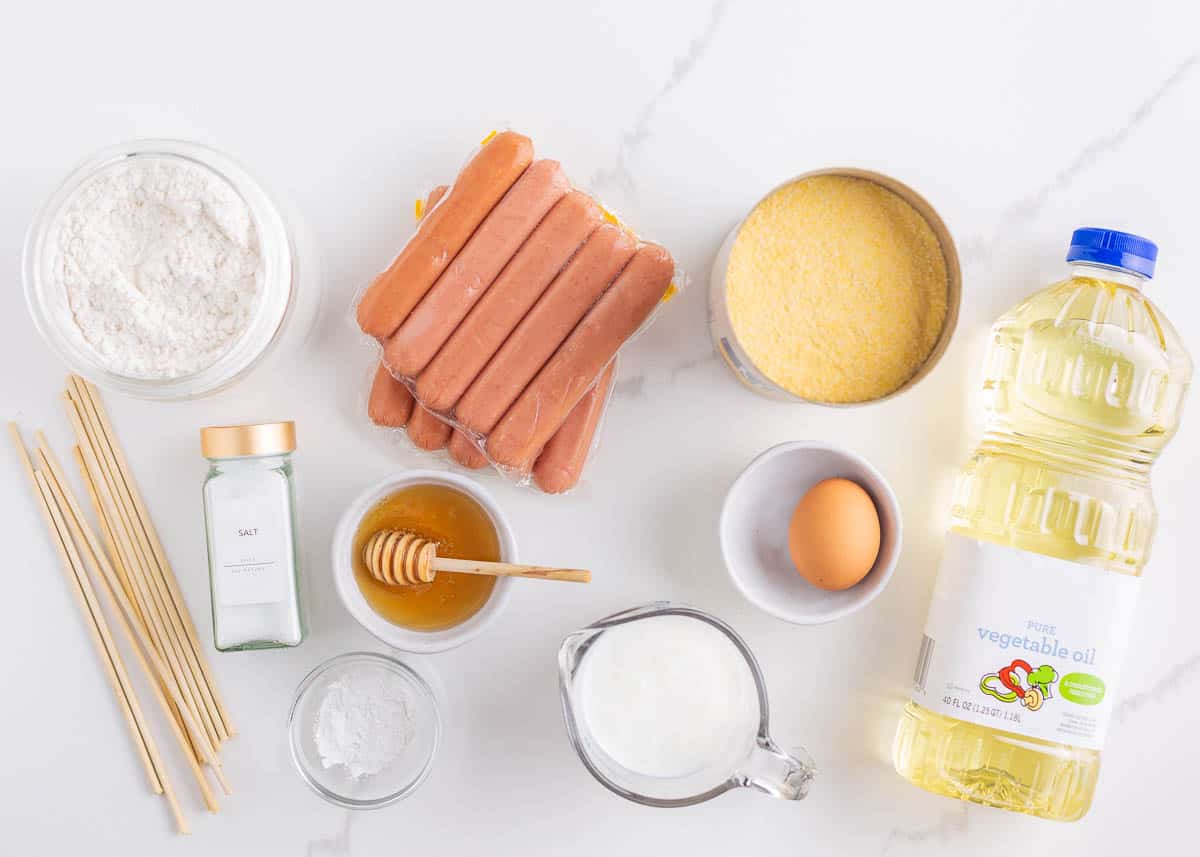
248,440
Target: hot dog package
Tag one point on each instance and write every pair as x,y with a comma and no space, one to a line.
557,468
502,316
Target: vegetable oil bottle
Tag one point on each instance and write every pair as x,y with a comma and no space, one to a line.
1051,525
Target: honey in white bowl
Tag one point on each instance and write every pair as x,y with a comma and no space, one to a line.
461,528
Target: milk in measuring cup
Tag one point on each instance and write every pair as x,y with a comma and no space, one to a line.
669,697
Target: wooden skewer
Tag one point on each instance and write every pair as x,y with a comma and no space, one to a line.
144,606
87,538
158,659
403,559
148,601
162,658
51,475
149,605
165,787
85,597
110,547
110,542
181,615
116,675
138,559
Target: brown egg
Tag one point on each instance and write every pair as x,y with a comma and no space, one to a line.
834,534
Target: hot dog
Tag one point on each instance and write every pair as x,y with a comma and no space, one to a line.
426,430
390,403
502,307
540,333
472,272
480,185
561,383
560,464
435,196
463,450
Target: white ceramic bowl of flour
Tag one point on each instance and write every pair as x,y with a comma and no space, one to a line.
160,269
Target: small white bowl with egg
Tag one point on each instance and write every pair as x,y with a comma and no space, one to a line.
754,531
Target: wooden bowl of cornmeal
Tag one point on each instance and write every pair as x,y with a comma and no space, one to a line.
840,287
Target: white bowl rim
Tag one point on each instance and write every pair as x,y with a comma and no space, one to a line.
885,573
404,639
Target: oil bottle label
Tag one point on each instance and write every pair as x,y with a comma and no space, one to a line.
1024,643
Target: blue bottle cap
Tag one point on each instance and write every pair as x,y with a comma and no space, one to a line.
1115,249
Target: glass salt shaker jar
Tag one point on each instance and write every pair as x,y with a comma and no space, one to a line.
250,518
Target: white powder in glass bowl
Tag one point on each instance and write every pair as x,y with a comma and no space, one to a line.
364,722
160,264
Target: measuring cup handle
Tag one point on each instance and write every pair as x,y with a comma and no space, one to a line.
772,771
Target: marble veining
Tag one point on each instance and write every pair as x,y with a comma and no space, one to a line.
1177,679
633,137
950,826
1027,208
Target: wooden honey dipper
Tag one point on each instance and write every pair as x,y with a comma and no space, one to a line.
403,559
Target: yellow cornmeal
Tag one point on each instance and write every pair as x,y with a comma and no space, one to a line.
836,289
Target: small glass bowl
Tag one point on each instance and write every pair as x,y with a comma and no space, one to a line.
335,784
52,314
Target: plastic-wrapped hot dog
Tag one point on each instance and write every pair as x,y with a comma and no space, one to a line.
557,469
500,310
560,464
428,431
431,201
480,185
499,318
562,382
390,404
464,451
476,266
540,333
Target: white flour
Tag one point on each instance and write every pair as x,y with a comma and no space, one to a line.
160,264
364,722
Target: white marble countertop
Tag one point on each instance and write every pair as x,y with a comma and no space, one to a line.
1019,122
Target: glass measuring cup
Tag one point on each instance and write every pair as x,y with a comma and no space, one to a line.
756,762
